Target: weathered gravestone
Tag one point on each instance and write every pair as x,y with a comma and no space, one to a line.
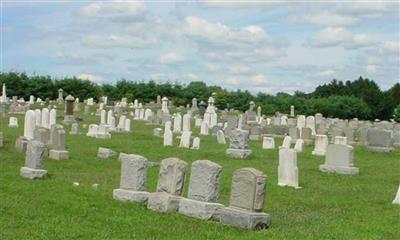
220,137
169,186
185,139
268,143
239,144
196,143
33,168
339,159
321,143
299,145
133,179
74,129
29,128
288,173
396,199
105,153
203,191
247,201
379,140
58,151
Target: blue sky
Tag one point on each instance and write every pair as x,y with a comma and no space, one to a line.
259,46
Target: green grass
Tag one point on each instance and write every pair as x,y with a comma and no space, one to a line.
329,206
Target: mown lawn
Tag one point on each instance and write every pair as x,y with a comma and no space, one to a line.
328,206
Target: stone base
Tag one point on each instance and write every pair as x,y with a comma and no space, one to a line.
198,209
68,119
255,137
130,196
238,153
379,149
163,202
32,173
21,144
338,169
58,155
244,219
318,153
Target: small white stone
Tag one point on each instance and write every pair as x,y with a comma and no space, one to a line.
76,184
95,186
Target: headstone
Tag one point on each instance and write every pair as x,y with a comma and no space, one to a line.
133,179
158,132
203,191
268,143
169,186
196,143
74,129
379,140
299,145
186,123
306,135
396,199
340,140
58,151
127,125
45,118
288,173
92,130
294,133
38,117
339,159
52,117
287,141
239,144
69,113
106,153
178,123
321,144
292,111
204,128
220,137
247,201
33,168
13,122
168,137
185,139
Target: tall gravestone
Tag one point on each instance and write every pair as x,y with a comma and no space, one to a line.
169,186
33,168
379,140
203,193
133,179
69,110
321,144
58,151
247,201
288,173
239,144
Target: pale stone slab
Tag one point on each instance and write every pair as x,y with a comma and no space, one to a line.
268,143
204,181
106,153
244,219
396,200
32,173
58,154
238,153
198,209
171,176
163,202
288,173
321,144
339,159
130,196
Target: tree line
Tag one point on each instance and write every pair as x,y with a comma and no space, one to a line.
361,98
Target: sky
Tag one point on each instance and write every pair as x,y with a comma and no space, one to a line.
270,47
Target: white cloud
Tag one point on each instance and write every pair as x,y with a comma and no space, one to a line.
119,41
212,67
239,69
171,58
330,19
90,77
259,80
190,77
113,10
326,73
338,36
371,68
249,81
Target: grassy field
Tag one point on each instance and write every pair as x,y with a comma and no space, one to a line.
329,206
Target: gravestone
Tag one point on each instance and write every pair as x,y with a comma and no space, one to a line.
29,128
74,129
158,132
220,137
396,199
133,179
379,140
239,144
169,186
339,159
268,143
168,137
288,173
178,123
204,128
106,153
294,133
246,201
287,141
321,143
33,168
13,122
58,151
340,140
185,139
299,145
203,190
69,113
196,143
306,135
